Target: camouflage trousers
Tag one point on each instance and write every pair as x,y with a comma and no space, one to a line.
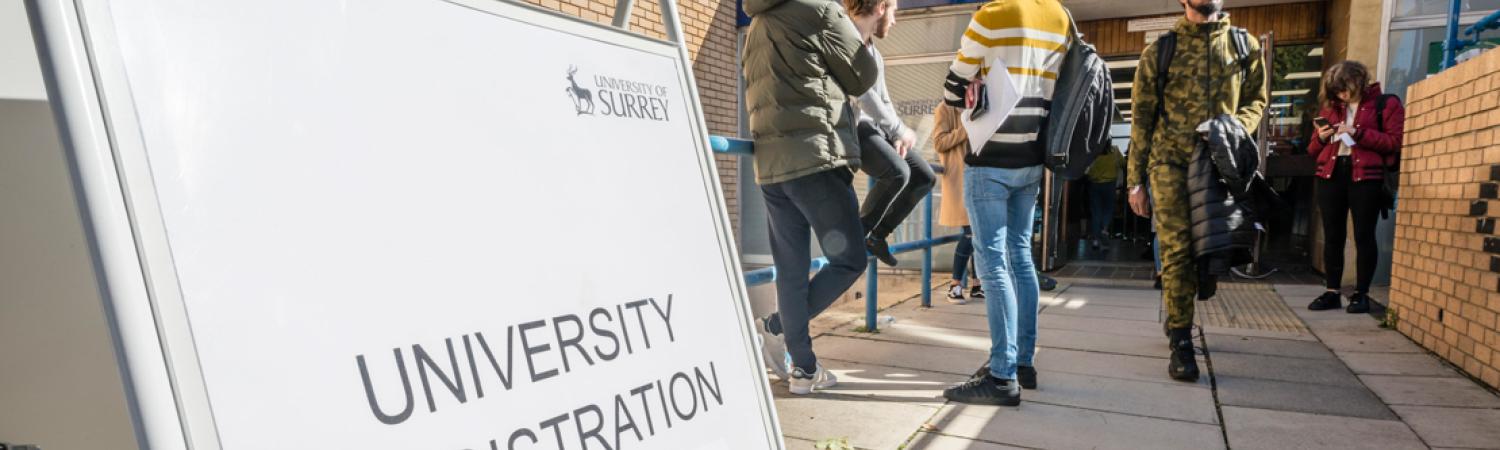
1171,214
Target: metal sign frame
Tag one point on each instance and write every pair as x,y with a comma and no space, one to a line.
86,83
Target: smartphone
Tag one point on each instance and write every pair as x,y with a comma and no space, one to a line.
1320,122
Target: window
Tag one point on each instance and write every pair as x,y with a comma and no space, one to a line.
1417,8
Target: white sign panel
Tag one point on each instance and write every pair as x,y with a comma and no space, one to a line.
1151,24
438,225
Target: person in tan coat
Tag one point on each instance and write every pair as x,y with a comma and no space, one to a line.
950,142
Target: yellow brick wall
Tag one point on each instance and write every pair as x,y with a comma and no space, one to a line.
1445,289
709,28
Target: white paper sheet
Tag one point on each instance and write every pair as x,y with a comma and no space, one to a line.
1003,98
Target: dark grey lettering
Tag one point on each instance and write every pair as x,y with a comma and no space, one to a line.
533,351
594,324
624,411
584,436
704,388
510,355
364,374
640,318
666,316
455,385
511,443
692,393
564,343
641,392
556,431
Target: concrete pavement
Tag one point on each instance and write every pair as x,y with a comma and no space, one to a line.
1338,381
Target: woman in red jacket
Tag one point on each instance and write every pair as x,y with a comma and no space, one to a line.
1355,146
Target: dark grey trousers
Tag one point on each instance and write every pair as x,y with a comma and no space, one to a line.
822,203
900,183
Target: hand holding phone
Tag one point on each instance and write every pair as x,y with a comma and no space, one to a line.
1324,131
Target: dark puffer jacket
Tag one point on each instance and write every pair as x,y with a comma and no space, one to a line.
1227,195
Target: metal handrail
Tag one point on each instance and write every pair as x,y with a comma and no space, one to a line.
1452,43
743,147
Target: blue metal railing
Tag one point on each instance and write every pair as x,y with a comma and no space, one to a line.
1452,43
743,147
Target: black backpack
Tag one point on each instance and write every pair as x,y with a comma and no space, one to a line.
1083,105
1392,178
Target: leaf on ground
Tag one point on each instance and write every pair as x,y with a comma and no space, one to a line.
833,444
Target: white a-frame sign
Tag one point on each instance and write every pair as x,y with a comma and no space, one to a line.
435,224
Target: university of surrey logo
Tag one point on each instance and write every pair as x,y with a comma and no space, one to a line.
583,99
616,97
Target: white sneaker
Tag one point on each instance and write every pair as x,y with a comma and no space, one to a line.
773,349
956,295
803,383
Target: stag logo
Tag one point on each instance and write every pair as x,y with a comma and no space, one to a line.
583,99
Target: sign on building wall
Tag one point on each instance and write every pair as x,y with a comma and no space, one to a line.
432,224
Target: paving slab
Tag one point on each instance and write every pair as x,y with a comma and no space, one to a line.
1149,315
1138,368
1377,341
1250,428
1268,334
1410,364
1294,370
914,332
1346,323
1098,325
1104,343
888,384
1113,297
1453,427
934,441
950,361
799,444
1186,402
944,318
1349,401
1422,391
867,422
1219,343
1037,425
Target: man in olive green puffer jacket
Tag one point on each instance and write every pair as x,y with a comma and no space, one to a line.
803,59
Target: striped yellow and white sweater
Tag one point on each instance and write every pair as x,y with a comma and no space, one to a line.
1030,37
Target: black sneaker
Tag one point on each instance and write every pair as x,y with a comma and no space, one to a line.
1359,303
881,250
1184,362
1027,376
1046,283
977,293
985,390
1329,300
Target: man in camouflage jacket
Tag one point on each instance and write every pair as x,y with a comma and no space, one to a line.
1206,78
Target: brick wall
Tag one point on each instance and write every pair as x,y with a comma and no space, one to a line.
709,28
1445,288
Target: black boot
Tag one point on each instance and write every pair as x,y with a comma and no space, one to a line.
1184,364
881,250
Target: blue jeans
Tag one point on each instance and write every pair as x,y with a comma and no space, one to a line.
822,203
1101,209
961,253
1001,203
